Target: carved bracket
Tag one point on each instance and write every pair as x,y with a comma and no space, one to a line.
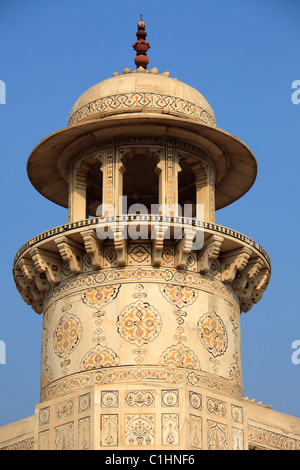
29,291
48,263
158,239
33,276
254,289
120,243
248,274
94,247
233,261
209,252
183,249
70,251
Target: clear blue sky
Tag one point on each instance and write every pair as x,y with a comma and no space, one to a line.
243,56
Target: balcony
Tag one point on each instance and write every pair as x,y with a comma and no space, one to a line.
177,243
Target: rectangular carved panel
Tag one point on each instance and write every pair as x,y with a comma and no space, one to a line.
170,429
109,430
139,430
84,433
196,431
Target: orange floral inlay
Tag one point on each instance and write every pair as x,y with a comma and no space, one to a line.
67,335
212,333
180,296
99,297
180,356
139,323
99,357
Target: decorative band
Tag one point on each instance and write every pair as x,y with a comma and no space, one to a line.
113,276
136,375
134,101
93,223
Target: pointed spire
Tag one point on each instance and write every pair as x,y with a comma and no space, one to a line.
141,46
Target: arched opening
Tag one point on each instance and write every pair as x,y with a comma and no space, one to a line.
187,188
141,179
94,188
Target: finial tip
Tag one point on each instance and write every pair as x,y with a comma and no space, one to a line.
141,46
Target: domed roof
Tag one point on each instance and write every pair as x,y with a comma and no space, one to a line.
141,90
142,103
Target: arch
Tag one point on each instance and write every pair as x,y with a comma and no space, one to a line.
141,180
94,188
85,188
187,186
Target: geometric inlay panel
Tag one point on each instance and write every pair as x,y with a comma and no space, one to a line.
44,416
216,407
237,413
64,437
216,436
170,429
169,398
84,433
196,431
109,430
84,402
139,398
237,439
139,430
110,399
195,400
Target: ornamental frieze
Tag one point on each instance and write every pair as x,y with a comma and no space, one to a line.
135,101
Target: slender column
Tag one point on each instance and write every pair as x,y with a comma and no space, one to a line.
173,168
118,187
77,192
212,181
108,181
160,171
203,193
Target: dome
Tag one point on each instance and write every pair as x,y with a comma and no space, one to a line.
139,91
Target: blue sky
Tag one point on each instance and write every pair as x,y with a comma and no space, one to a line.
243,56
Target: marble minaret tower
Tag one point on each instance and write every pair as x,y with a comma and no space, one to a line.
141,292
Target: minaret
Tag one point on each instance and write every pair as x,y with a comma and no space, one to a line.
140,290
